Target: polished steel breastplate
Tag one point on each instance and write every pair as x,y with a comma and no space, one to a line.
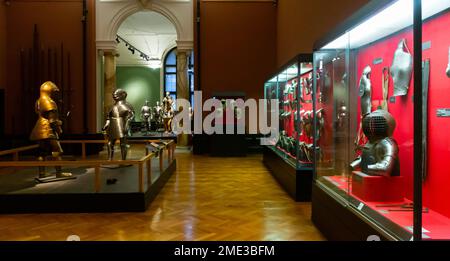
401,69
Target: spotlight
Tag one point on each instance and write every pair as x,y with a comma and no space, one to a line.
131,49
117,39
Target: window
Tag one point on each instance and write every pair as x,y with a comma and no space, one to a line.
170,75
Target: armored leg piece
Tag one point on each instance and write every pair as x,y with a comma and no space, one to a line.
42,173
123,148
110,146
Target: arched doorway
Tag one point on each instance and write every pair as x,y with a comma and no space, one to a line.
110,15
143,41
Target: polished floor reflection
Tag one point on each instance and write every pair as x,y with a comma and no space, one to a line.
206,199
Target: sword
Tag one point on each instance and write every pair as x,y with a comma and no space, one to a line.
385,85
425,86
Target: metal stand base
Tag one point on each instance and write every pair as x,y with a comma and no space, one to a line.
53,179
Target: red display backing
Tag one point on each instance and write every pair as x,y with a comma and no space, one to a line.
436,192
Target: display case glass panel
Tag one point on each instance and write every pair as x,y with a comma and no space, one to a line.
435,121
292,88
363,92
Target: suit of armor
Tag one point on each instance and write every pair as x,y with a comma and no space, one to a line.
118,123
48,128
380,155
146,115
168,113
157,114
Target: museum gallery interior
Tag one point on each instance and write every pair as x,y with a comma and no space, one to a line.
224,120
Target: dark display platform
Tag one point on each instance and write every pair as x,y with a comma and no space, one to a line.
296,182
19,192
232,145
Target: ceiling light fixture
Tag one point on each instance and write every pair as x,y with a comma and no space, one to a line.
133,49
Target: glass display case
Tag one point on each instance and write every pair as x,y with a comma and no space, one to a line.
289,93
378,150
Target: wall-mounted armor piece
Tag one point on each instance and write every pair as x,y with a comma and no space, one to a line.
47,131
365,91
320,120
401,69
307,122
342,115
118,123
380,154
448,66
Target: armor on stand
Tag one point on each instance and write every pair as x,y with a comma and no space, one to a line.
158,115
168,113
146,116
46,132
118,123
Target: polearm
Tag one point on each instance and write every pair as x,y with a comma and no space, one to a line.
425,85
61,84
69,94
23,86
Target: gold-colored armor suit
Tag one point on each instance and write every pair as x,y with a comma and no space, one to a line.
168,112
48,126
47,130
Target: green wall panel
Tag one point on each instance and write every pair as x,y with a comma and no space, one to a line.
141,83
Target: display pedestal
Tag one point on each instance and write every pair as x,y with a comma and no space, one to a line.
84,201
377,188
296,182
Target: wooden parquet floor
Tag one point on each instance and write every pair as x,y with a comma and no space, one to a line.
207,198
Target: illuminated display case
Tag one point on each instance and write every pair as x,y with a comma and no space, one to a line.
288,93
380,81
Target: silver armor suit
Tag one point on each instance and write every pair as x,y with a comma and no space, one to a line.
380,155
401,69
118,123
157,113
146,115
365,91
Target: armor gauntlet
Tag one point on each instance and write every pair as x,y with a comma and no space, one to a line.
385,166
356,164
